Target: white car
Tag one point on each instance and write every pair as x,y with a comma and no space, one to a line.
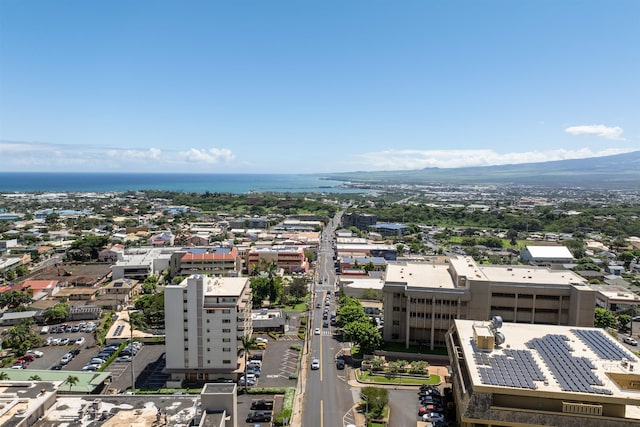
66,358
36,353
433,416
316,331
264,340
91,367
315,364
80,341
629,340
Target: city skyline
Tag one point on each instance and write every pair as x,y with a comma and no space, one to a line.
254,87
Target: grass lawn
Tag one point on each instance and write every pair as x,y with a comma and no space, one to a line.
300,307
367,378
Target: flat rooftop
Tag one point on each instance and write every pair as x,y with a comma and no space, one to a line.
420,275
563,362
529,275
224,286
117,411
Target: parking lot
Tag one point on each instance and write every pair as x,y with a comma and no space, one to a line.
53,353
244,408
279,362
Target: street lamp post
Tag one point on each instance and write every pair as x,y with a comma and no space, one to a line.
366,409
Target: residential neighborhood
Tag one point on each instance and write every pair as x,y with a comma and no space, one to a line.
160,296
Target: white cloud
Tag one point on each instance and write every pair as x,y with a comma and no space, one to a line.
210,156
603,131
419,159
150,154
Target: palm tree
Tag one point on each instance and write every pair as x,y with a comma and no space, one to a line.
4,376
72,380
35,378
248,344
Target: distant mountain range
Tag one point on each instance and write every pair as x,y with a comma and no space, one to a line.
620,171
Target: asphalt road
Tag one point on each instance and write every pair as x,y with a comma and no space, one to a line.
327,395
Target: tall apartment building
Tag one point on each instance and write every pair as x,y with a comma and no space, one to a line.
422,299
206,318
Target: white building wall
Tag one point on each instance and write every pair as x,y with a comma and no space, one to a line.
174,321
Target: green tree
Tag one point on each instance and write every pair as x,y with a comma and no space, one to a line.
259,290
351,313
376,399
20,337
604,319
4,376
150,284
152,307
364,334
624,320
35,378
298,288
56,314
248,343
14,298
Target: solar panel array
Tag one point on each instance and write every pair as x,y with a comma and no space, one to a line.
601,345
118,330
572,373
514,368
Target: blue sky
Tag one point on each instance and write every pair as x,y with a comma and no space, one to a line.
314,86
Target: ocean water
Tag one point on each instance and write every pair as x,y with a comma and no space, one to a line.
11,182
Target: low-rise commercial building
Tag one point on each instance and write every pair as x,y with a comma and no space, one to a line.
541,375
422,299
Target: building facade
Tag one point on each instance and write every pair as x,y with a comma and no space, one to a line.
422,299
206,318
291,259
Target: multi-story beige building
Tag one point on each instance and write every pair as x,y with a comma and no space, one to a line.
206,318
211,260
289,258
421,299
519,374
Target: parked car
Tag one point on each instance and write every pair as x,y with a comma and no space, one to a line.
63,341
340,363
629,340
18,366
56,367
74,352
66,359
254,371
433,416
91,367
124,359
36,353
249,381
260,339
80,341
262,404
258,416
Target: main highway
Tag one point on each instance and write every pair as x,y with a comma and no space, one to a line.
328,396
